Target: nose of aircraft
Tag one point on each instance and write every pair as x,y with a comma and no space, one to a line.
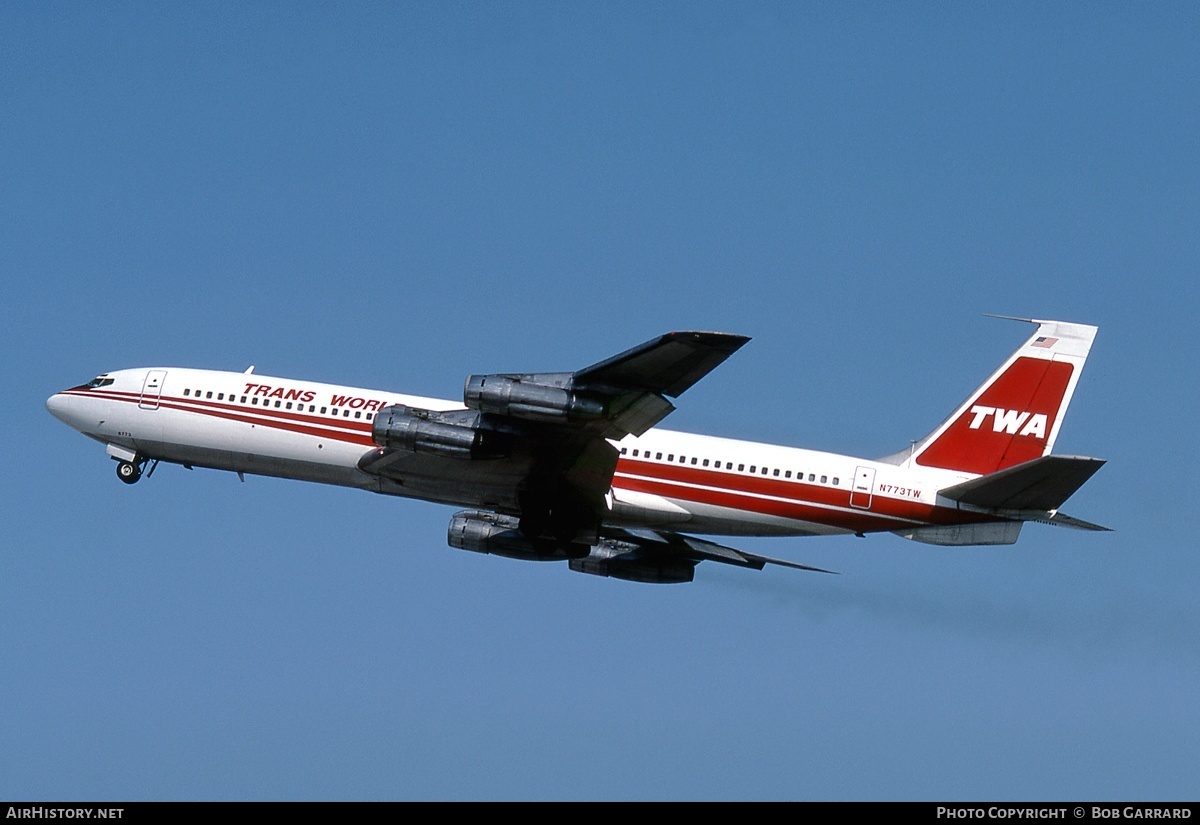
57,405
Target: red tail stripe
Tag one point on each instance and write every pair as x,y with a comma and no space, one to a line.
1031,385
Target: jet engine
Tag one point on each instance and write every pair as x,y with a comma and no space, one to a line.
632,562
454,434
508,395
485,532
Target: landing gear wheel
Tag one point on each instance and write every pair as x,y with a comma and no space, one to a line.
128,472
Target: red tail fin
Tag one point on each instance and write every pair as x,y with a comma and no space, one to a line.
1015,416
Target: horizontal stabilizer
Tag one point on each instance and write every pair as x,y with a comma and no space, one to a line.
1040,484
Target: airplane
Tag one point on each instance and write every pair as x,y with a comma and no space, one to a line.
570,466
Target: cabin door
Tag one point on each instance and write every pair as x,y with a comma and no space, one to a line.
152,389
864,487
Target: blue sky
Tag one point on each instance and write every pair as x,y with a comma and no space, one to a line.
397,195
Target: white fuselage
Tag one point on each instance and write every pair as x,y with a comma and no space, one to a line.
269,426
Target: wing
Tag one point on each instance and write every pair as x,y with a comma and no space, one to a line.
636,381
654,556
535,445
657,557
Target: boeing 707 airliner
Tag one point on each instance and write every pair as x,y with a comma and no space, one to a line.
569,466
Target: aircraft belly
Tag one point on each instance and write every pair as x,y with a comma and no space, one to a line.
633,509
630,508
202,441
258,463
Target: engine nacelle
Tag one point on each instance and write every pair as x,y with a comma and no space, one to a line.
424,431
506,395
625,560
484,532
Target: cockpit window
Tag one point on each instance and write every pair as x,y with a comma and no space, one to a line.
99,381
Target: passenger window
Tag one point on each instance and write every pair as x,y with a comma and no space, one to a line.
694,461
835,481
289,405
254,400
775,473
345,413
209,394
243,399
741,467
671,457
706,462
277,403
823,479
323,410
220,396
187,392
658,456
764,470
787,474
728,465
812,477
358,414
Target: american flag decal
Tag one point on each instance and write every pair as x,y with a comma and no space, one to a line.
1044,342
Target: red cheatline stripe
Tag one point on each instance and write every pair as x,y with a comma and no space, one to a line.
353,425
276,419
772,507
763,485
312,418
796,491
732,486
799,510
265,409
200,404
823,499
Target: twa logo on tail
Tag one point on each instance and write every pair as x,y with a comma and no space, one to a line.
1015,415
1010,421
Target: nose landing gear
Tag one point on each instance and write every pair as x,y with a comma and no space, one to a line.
128,472
131,471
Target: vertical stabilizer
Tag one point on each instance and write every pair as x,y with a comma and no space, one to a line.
1016,414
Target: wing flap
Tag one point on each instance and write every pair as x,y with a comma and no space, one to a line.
680,545
1063,520
637,412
